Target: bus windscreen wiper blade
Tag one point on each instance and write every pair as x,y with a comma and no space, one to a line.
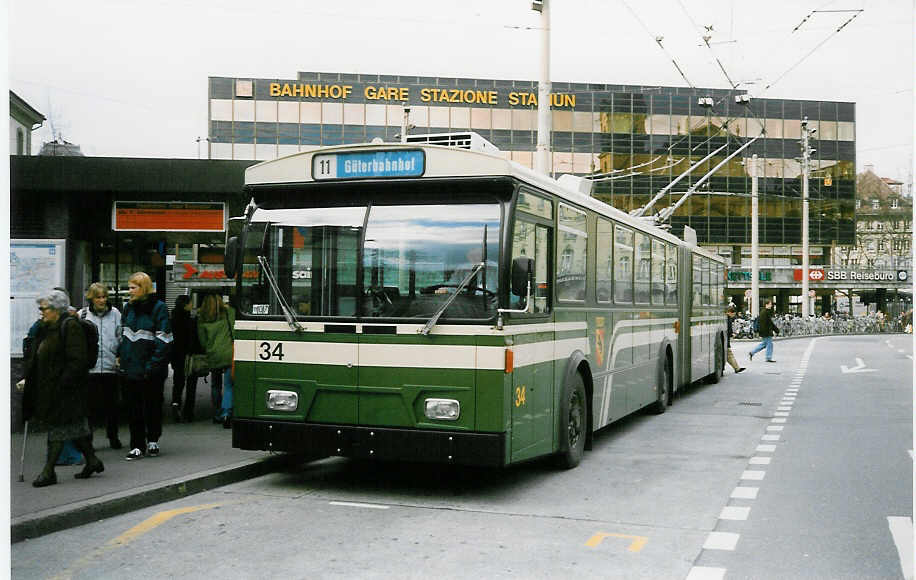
287,311
467,279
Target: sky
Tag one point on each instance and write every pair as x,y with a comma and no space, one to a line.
129,78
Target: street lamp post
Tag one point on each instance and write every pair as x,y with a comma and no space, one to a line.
542,151
755,246
806,170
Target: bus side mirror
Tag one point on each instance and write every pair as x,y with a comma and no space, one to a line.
522,271
231,258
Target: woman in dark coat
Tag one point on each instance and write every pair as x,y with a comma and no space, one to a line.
184,334
55,386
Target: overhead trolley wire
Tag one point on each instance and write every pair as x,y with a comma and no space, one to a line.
658,40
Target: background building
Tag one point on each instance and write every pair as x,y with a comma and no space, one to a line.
23,120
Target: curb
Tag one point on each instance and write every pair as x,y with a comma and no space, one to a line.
114,504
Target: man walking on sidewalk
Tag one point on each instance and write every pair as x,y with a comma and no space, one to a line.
767,328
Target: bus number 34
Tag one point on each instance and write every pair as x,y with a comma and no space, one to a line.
270,351
519,396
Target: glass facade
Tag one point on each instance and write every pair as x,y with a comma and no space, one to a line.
633,140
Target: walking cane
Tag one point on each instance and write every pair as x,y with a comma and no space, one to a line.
25,438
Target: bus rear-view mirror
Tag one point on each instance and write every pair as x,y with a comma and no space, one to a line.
230,260
522,271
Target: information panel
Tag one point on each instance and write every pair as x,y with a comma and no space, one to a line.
169,216
36,266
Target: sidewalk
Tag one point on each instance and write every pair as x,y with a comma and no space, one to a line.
195,457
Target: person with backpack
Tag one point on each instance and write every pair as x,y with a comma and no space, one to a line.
215,322
146,338
767,329
55,385
103,377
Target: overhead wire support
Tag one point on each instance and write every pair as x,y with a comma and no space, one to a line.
820,44
658,40
706,38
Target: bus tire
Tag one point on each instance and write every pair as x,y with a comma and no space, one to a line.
573,423
719,362
662,389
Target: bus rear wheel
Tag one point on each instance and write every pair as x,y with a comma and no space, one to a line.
663,390
573,424
719,362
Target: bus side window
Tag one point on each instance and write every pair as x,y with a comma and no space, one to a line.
697,281
623,265
658,272
643,272
533,241
671,274
604,269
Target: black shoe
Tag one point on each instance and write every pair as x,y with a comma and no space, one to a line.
750,355
97,467
739,370
771,360
227,422
114,442
176,412
45,480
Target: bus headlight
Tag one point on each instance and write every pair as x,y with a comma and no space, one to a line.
282,400
443,409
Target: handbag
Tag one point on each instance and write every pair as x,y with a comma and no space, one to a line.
196,365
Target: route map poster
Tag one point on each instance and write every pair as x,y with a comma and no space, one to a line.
36,266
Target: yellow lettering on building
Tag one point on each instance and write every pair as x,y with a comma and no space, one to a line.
386,93
311,91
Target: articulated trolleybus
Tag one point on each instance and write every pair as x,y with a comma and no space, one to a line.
431,303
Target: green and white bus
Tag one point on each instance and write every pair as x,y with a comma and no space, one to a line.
428,303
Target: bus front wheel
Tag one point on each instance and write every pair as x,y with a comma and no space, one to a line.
573,424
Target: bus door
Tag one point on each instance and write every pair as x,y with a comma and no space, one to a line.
532,384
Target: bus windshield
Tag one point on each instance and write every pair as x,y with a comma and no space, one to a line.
378,261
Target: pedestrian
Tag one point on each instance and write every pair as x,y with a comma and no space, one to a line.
184,332
729,320
55,386
215,321
766,327
69,455
103,377
146,338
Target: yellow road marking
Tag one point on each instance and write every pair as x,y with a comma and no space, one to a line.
154,521
129,536
636,545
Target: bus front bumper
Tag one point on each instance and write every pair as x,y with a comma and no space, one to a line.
384,443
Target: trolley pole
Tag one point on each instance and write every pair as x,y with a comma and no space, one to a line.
542,152
806,169
755,247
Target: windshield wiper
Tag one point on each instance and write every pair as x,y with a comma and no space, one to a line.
467,279
287,310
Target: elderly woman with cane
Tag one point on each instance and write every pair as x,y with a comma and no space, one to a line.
55,386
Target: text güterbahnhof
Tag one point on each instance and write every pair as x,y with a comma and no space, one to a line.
430,95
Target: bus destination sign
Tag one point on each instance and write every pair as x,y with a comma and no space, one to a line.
363,165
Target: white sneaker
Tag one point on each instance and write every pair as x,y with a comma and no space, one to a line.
152,449
134,454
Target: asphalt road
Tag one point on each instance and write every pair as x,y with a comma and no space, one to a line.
790,470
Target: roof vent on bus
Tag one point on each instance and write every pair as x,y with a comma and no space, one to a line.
467,140
576,183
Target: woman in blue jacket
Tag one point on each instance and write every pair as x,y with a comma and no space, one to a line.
146,338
